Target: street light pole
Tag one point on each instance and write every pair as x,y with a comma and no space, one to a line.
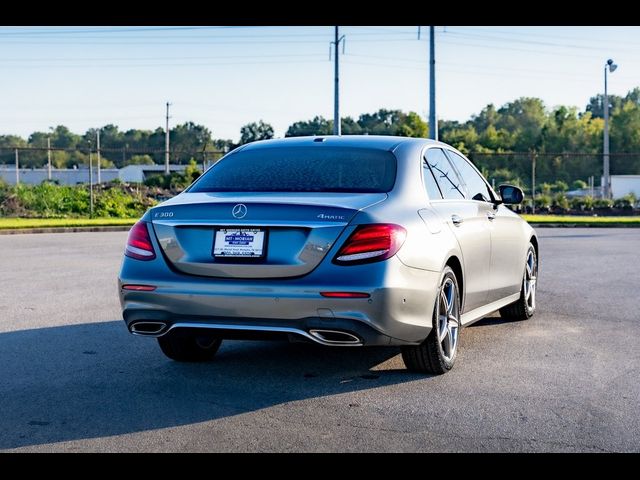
606,181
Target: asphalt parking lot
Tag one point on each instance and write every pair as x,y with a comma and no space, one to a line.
73,379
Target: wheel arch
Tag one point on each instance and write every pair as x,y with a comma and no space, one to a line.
534,241
455,264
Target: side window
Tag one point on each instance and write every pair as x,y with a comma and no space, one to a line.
430,185
445,175
476,186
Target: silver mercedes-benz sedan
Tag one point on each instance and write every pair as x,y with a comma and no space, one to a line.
342,241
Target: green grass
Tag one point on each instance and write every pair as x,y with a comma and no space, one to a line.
580,220
14,223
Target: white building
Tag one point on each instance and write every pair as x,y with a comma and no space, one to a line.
139,173
74,176
621,185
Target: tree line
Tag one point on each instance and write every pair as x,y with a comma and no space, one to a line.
524,125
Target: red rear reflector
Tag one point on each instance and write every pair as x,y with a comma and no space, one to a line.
139,288
139,244
345,294
371,243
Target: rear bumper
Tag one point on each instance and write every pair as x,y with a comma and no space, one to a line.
397,312
339,332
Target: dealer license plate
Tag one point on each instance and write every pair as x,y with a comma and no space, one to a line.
239,243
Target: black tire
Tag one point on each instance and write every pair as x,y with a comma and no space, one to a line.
525,306
430,355
189,346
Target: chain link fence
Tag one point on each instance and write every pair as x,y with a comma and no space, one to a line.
532,169
536,173
77,165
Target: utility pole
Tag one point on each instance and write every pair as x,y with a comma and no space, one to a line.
98,151
49,158
90,184
337,130
433,121
166,144
17,168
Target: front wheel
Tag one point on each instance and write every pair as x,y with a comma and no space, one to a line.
437,353
525,306
188,346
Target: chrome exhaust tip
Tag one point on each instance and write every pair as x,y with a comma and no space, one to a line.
147,328
335,337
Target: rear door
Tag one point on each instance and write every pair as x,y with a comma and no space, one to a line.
505,272
468,221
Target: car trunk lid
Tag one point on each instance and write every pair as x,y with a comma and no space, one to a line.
298,230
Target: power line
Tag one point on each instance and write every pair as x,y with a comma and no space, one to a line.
546,35
533,42
59,31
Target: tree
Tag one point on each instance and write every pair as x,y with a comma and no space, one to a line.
524,119
188,139
252,132
316,126
596,104
349,126
382,122
62,137
140,160
411,125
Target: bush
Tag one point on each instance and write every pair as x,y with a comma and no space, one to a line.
50,200
159,181
139,160
114,202
579,185
582,203
626,203
561,201
543,201
603,203
577,203
175,180
54,201
560,186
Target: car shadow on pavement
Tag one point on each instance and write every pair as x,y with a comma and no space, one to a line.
95,380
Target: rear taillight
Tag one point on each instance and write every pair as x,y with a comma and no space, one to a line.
371,243
139,244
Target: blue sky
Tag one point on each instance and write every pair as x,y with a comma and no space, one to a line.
225,77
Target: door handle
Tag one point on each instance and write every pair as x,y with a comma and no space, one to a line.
456,219
491,215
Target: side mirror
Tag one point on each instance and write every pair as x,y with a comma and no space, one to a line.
511,194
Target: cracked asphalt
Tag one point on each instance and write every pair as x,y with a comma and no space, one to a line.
73,379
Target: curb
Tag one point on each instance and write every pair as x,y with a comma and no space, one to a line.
582,225
18,231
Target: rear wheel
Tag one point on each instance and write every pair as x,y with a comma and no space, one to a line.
525,306
437,353
188,346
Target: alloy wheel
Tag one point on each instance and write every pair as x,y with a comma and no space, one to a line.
448,318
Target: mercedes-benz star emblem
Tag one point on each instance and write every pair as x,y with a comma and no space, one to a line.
239,211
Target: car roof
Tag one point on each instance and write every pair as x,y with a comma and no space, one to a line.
375,142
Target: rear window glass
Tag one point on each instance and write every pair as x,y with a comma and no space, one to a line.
301,169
